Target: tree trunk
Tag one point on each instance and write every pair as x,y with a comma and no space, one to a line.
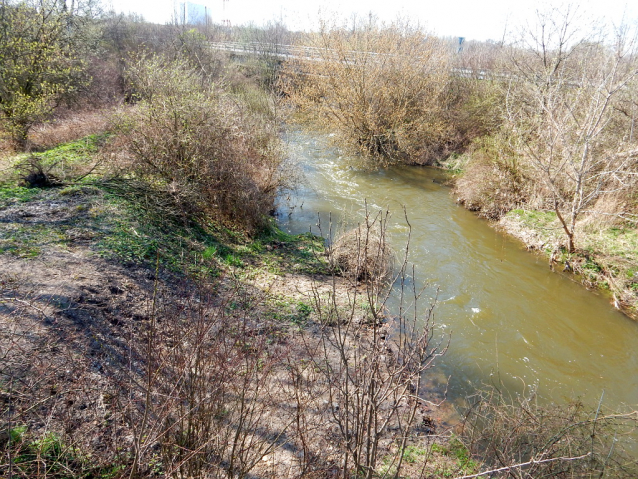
569,232
570,240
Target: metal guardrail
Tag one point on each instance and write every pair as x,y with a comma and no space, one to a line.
316,54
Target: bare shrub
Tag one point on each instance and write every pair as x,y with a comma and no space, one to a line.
525,439
372,366
494,181
381,88
213,154
191,386
48,391
363,253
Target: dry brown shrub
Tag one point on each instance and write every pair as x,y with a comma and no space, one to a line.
493,182
206,148
380,87
526,439
363,254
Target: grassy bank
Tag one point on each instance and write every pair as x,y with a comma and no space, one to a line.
607,258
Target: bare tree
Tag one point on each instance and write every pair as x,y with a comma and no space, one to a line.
564,93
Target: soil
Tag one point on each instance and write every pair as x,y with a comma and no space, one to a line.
72,335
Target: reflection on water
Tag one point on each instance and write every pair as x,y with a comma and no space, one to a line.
509,316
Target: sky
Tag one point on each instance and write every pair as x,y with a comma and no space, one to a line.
472,19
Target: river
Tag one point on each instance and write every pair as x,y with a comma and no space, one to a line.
511,320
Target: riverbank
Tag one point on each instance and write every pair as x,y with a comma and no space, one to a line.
607,258
606,253
106,307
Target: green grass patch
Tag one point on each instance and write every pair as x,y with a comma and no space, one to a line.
283,309
10,195
49,456
462,463
439,460
28,240
534,218
621,241
73,153
140,235
282,252
413,453
131,234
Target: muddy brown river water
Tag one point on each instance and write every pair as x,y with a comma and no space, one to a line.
510,318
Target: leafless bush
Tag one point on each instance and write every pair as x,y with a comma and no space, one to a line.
524,439
47,392
363,254
191,388
381,88
372,366
216,156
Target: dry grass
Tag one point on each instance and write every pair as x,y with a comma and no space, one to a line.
69,127
363,254
549,441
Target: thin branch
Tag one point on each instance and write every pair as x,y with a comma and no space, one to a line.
524,464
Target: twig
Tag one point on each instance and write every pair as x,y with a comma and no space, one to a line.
524,464
593,432
28,304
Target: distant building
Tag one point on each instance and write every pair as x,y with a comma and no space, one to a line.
461,41
190,13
